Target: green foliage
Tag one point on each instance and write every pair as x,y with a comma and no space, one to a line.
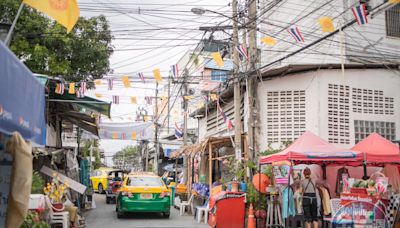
37,183
237,168
258,200
96,151
32,220
126,156
271,150
45,47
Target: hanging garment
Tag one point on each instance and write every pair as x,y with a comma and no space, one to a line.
339,182
287,194
21,179
392,172
325,201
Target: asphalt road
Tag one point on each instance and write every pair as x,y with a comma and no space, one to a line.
105,216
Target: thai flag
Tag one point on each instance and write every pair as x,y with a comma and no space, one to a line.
175,70
115,99
205,98
178,131
123,135
295,33
141,76
83,87
223,114
148,100
360,13
242,50
110,83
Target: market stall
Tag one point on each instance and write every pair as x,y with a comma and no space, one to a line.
22,123
336,197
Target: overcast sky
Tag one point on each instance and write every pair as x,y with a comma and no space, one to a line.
147,35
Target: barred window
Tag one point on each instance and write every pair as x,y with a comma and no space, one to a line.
392,16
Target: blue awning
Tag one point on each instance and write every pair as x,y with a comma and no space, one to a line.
22,99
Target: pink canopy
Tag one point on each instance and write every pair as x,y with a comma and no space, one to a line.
377,149
309,148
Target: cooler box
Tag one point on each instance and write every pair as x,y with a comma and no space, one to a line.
227,210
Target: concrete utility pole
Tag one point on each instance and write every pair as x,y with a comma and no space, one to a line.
185,120
236,89
156,132
251,84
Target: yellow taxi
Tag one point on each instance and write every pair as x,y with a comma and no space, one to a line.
143,192
99,178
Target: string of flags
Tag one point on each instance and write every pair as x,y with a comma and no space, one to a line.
326,24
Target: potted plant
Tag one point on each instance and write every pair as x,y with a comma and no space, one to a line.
56,191
32,220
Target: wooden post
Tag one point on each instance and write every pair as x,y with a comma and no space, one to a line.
210,165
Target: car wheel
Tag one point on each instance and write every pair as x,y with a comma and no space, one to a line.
100,188
120,214
166,215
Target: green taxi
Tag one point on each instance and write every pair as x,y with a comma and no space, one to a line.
143,192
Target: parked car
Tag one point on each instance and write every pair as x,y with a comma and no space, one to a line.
143,192
115,180
99,179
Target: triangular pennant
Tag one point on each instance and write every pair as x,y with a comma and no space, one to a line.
326,24
133,100
157,75
217,59
71,89
126,82
268,41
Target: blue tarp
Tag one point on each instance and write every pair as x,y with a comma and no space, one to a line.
22,99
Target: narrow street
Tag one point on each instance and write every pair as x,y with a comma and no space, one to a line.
105,216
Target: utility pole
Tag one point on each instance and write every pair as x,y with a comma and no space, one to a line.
156,132
236,89
185,120
251,84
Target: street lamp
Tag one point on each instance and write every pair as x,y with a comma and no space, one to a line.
198,11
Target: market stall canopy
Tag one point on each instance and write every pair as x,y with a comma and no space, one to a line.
197,148
83,104
22,99
377,149
309,148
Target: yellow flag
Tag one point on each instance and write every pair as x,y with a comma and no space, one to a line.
97,82
126,82
71,89
145,118
98,95
188,97
157,75
268,41
65,12
114,135
133,100
217,58
394,1
213,96
134,135
326,24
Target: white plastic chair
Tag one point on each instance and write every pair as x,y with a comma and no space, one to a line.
184,204
57,217
202,209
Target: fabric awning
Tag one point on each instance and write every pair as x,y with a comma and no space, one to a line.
309,148
22,99
377,149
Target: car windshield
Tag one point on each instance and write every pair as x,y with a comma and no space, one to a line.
145,181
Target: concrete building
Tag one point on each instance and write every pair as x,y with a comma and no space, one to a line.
309,90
